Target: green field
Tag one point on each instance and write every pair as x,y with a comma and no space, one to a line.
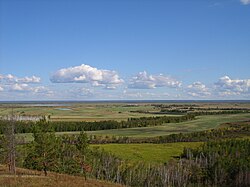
201,123
80,112
102,111
150,153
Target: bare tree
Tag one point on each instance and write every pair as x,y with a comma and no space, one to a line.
10,145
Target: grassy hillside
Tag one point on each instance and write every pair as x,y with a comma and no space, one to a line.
30,178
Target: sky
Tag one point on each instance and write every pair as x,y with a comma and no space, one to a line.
124,49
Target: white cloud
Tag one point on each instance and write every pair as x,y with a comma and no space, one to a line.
19,87
1,88
144,81
25,88
13,79
87,74
32,79
245,2
41,90
232,86
197,89
228,93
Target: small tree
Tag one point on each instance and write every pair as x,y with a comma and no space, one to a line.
9,142
44,150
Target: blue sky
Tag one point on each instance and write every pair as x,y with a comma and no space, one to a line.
124,49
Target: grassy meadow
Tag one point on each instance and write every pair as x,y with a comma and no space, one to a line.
201,123
150,153
79,112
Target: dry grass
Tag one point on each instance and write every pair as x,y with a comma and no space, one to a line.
31,178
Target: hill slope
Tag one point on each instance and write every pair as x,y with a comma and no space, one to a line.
31,178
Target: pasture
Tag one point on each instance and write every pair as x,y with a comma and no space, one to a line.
201,123
79,112
150,153
94,111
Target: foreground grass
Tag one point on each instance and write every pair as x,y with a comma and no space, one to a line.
31,178
150,153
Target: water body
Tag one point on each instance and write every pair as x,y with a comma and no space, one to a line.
46,105
65,109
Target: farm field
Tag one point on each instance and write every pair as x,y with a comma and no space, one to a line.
60,111
201,123
150,153
79,112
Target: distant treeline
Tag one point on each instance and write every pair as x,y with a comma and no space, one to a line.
64,126
201,113
197,112
228,130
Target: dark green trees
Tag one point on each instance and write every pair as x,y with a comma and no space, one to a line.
44,150
82,152
65,154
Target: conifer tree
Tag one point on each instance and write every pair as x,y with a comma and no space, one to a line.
82,146
44,150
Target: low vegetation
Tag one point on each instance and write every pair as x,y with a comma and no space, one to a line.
147,152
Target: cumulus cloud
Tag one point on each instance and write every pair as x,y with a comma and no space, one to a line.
1,88
32,79
87,74
25,88
41,90
144,81
197,89
245,2
23,85
227,86
19,87
13,79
